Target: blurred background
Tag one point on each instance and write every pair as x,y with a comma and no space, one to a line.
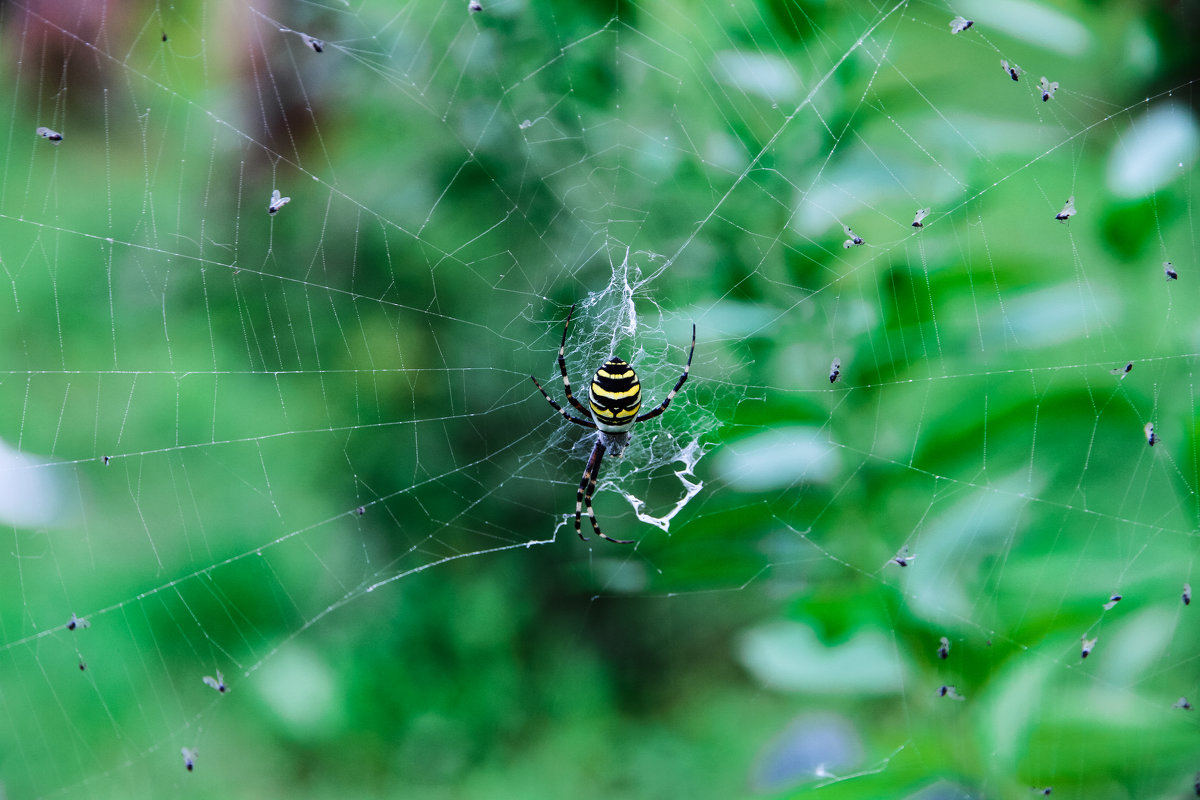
300,454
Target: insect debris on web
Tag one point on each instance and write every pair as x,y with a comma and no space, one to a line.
943,650
1112,602
1047,88
919,219
49,135
1151,436
1186,597
1013,70
277,202
949,691
960,24
1122,371
1088,645
854,241
1169,271
1068,210
189,757
835,370
77,623
217,683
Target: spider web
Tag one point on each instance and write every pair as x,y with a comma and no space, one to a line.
299,453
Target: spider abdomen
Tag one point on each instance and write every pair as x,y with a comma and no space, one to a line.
615,396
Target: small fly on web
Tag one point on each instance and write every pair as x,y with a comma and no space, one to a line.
217,683
919,219
1013,70
189,757
1121,372
943,648
854,241
474,7
49,135
1068,210
1186,597
1088,646
313,42
277,202
77,623
950,691
1151,436
1169,271
835,370
1112,602
1048,88
1182,704
903,558
960,24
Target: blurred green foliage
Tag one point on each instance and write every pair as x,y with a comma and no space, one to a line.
256,381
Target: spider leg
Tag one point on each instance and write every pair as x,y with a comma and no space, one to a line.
560,409
562,366
587,487
687,368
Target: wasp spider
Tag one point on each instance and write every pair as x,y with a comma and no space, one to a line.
614,399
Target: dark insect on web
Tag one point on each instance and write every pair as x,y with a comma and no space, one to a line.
1068,210
960,24
1048,88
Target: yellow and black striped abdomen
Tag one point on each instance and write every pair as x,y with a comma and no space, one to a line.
615,396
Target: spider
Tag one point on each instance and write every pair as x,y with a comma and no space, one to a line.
615,396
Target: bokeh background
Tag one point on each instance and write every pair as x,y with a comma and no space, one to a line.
303,450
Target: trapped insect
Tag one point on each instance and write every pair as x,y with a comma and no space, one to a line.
1047,88
835,370
960,24
217,683
1151,436
189,757
77,622
951,692
1112,602
943,648
903,558
1182,703
614,399
277,202
1013,70
1123,371
1186,597
1088,645
1068,210
526,124
919,219
854,239
46,133
474,7
313,42
1169,271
